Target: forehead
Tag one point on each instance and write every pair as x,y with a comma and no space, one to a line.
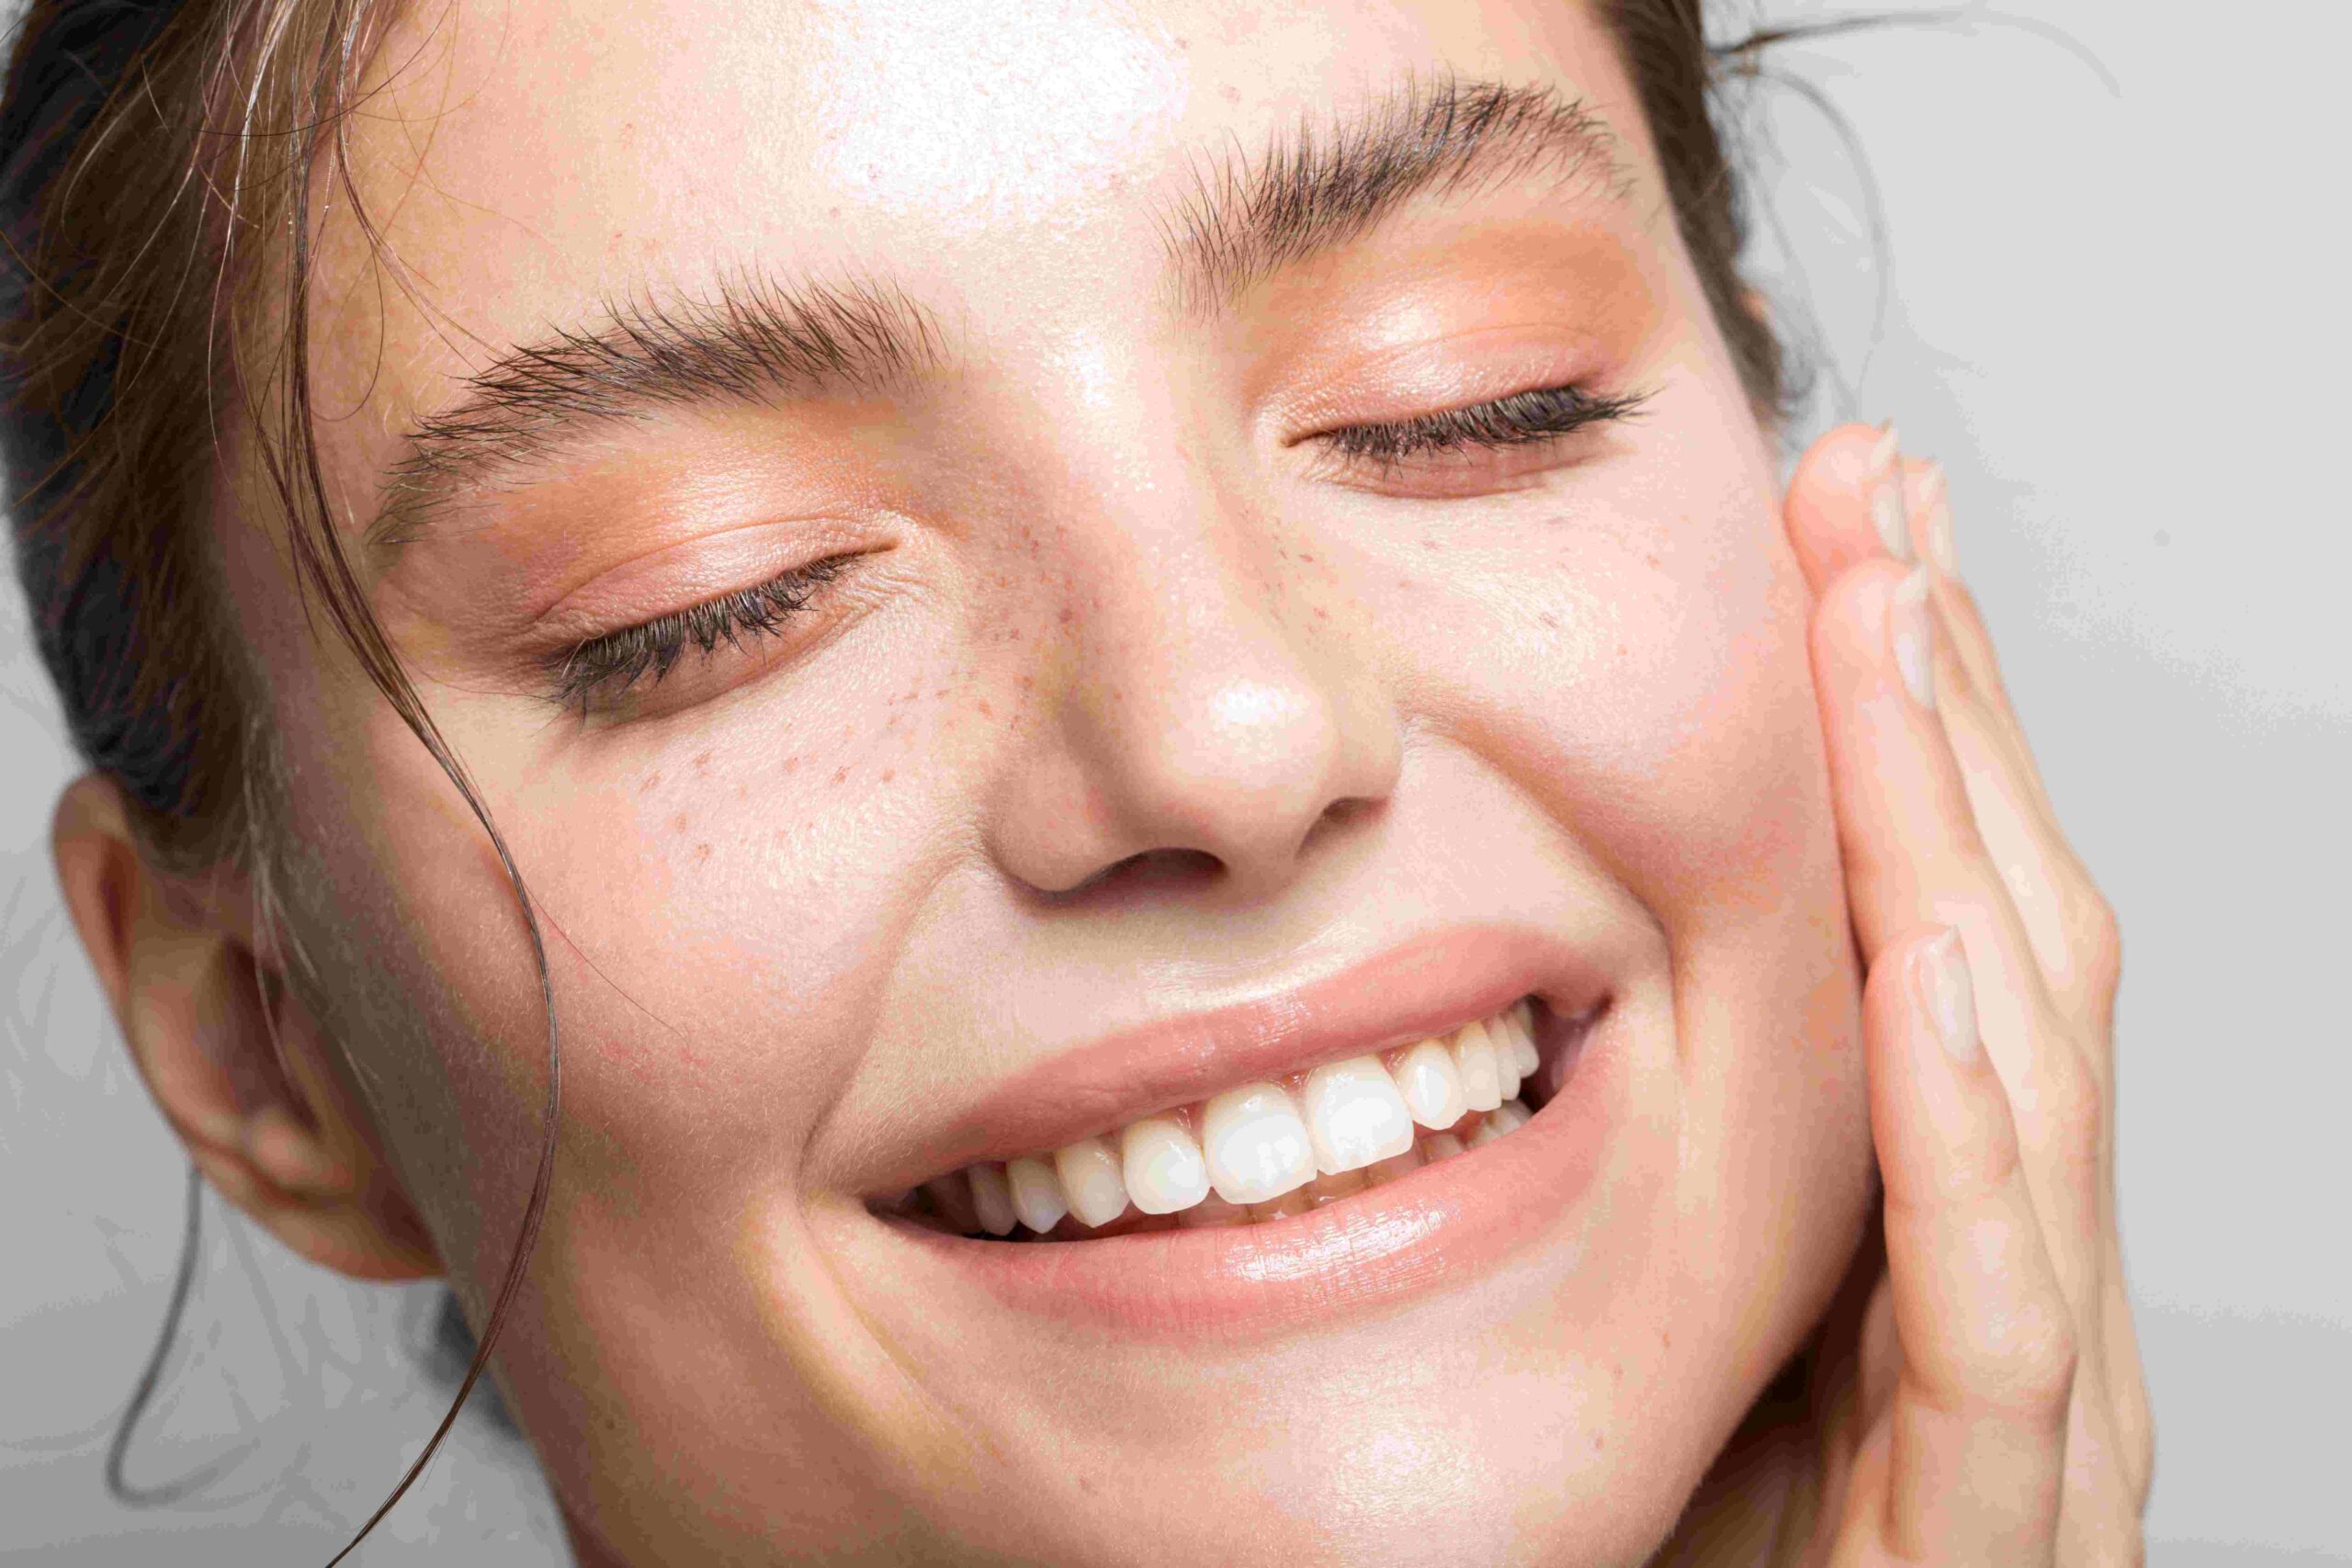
526,159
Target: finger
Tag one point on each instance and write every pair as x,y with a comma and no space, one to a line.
2073,931
1846,503
2127,1389
1855,498
1927,498
1914,856
1976,1433
2072,927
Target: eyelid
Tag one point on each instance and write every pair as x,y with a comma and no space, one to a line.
1534,417
695,570
615,663
1400,381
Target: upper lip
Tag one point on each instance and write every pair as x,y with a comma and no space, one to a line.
1423,986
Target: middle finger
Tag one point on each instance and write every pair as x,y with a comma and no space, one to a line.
1914,856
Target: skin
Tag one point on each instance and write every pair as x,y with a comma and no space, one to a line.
1138,704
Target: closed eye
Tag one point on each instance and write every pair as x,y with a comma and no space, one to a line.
1522,419
606,666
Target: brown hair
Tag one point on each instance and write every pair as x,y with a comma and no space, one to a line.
158,173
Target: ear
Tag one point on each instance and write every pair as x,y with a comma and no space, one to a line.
237,1063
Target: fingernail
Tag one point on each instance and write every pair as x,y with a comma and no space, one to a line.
1912,628
1950,995
1933,502
1890,441
1887,513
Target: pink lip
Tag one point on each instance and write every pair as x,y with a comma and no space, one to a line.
1426,986
1434,1229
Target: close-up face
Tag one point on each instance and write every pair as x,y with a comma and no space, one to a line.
1041,594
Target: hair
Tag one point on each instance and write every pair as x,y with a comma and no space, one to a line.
161,168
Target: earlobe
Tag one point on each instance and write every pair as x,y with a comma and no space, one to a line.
234,1060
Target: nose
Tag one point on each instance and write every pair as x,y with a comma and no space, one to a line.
1194,735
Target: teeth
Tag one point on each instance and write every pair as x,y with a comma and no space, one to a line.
1519,1031
1430,1084
1507,1117
1506,1064
1213,1211
1330,1189
1165,1169
1091,1179
1473,1058
1282,1207
992,1198
1256,1146
1354,1115
1036,1194
1264,1151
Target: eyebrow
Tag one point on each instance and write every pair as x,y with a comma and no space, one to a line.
753,340
1316,189
1311,189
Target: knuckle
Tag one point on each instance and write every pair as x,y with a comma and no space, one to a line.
1996,1159
2061,1104
2094,937
2077,1102
2037,1368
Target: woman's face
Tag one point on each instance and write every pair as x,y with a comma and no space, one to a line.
1127,676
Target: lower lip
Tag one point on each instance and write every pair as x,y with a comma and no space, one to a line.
1431,1230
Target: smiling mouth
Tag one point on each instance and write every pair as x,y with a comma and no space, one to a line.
1273,1148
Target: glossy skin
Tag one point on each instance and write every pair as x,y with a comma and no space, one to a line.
1138,701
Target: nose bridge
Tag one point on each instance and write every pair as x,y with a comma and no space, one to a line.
1192,669
1201,713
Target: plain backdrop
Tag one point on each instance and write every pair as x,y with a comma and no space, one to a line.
2107,235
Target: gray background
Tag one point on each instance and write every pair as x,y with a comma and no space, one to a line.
2114,256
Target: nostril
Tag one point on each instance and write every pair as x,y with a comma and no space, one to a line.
1339,816
1155,870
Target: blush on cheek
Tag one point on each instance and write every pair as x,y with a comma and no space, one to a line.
1677,731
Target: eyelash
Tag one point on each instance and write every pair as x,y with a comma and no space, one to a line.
616,662
1522,419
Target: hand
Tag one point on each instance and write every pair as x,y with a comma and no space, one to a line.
1977,1398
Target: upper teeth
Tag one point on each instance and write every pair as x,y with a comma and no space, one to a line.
1263,1141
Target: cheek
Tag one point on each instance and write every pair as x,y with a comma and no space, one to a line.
721,899
1636,658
